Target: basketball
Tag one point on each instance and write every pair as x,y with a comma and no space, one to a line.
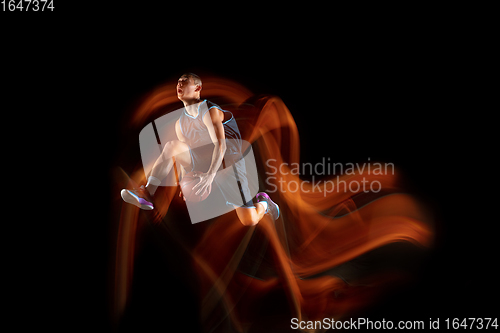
188,181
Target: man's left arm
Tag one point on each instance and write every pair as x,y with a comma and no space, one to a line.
213,121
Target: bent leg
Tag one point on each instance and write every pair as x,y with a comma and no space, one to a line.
251,216
174,151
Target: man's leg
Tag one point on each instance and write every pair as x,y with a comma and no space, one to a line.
250,216
141,197
163,165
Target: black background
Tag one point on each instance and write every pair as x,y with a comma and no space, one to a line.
407,95
406,107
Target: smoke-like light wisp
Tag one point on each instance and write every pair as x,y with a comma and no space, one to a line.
319,228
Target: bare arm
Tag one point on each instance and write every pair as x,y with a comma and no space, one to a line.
178,131
213,121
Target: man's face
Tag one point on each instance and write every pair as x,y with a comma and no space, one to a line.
186,89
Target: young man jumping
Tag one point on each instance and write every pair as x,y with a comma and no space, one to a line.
198,130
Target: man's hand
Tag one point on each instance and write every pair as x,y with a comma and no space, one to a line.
205,183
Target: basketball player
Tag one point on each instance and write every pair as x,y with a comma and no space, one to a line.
209,127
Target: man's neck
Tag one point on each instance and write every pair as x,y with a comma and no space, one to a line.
192,106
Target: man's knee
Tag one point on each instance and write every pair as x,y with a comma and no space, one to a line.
174,147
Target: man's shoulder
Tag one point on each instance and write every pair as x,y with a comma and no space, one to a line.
211,105
211,114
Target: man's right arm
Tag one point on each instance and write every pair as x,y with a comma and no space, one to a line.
180,137
178,131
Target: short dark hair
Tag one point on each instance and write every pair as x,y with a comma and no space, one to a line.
196,78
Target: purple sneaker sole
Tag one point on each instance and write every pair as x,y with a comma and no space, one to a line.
132,198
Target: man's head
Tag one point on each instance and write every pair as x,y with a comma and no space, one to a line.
189,88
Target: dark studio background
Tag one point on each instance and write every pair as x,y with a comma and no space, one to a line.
403,104
409,97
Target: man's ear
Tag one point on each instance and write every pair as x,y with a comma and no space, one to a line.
198,88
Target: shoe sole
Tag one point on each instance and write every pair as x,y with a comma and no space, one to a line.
131,198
